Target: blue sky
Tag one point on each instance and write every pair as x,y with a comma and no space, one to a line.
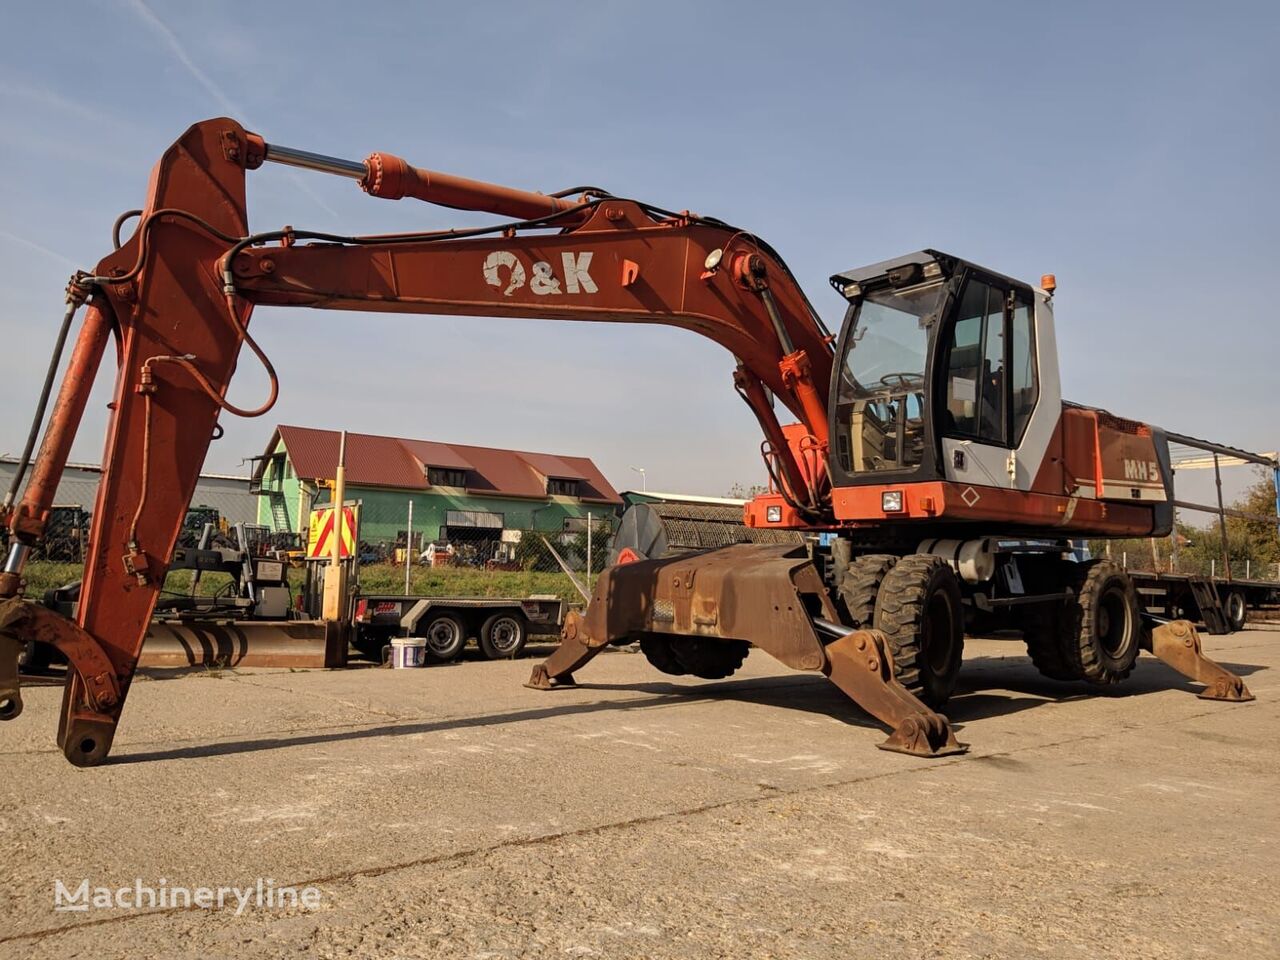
1129,148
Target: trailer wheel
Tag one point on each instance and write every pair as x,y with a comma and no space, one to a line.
861,584
1237,610
503,636
1102,627
446,636
656,648
918,610
710,659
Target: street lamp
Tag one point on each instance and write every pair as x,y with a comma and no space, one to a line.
644,487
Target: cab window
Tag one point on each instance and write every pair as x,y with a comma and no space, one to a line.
976,380
1022,370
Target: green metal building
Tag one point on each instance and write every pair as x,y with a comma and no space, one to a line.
458,491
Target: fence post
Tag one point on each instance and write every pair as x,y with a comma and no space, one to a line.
408,547
1222,520
590,537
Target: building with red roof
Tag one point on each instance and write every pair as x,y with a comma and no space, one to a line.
458,491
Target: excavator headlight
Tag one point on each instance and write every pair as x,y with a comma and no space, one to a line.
891,501
932,270
773,514
713,259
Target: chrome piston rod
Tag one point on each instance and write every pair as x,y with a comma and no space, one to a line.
355,169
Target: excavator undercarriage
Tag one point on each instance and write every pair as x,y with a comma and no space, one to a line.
771,597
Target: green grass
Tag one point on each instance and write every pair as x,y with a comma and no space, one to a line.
465,582
42,575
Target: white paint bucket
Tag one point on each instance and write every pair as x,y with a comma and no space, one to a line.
408,652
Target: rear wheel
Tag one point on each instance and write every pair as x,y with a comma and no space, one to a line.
861,584
918,610
656,648
1043,635
1102,626
1237,610
503,636
703,657
446,636
708,658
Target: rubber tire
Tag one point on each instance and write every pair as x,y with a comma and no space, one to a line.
1081,619
495,650
1237,620
1042,633
909,598
708,658
443,653
861,585
656,648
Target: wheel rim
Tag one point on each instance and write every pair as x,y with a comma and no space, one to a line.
442,637
938,635
504,635
1235,608
1114,623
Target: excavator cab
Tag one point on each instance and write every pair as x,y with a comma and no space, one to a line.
945,372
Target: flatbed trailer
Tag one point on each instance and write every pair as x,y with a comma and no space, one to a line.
500,625
1179,596
1221,602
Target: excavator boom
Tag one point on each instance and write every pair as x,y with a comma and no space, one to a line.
178,295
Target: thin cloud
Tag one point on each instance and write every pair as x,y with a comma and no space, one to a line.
32,245
228,106
147,16
44,97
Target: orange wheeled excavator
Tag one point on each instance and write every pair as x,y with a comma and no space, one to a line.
931,455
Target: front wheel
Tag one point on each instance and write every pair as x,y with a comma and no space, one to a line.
445,636
503,636
919,611
1102,628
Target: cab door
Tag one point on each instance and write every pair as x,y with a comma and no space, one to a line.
990,390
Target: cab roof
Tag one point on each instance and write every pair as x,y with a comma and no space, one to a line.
950,264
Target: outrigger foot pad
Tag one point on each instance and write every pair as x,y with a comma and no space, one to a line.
924,735
541,680
1178,644
575,649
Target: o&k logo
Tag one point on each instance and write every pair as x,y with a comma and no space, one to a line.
505,270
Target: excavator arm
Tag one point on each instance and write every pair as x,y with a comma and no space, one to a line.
176,299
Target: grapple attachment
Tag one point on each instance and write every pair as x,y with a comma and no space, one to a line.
767,595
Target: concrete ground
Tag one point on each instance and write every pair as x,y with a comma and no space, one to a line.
450,812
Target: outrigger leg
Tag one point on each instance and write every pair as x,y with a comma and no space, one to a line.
1178,644
861,664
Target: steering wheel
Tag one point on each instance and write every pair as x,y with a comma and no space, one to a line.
907,382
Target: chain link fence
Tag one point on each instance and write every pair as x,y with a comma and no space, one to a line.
472,554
